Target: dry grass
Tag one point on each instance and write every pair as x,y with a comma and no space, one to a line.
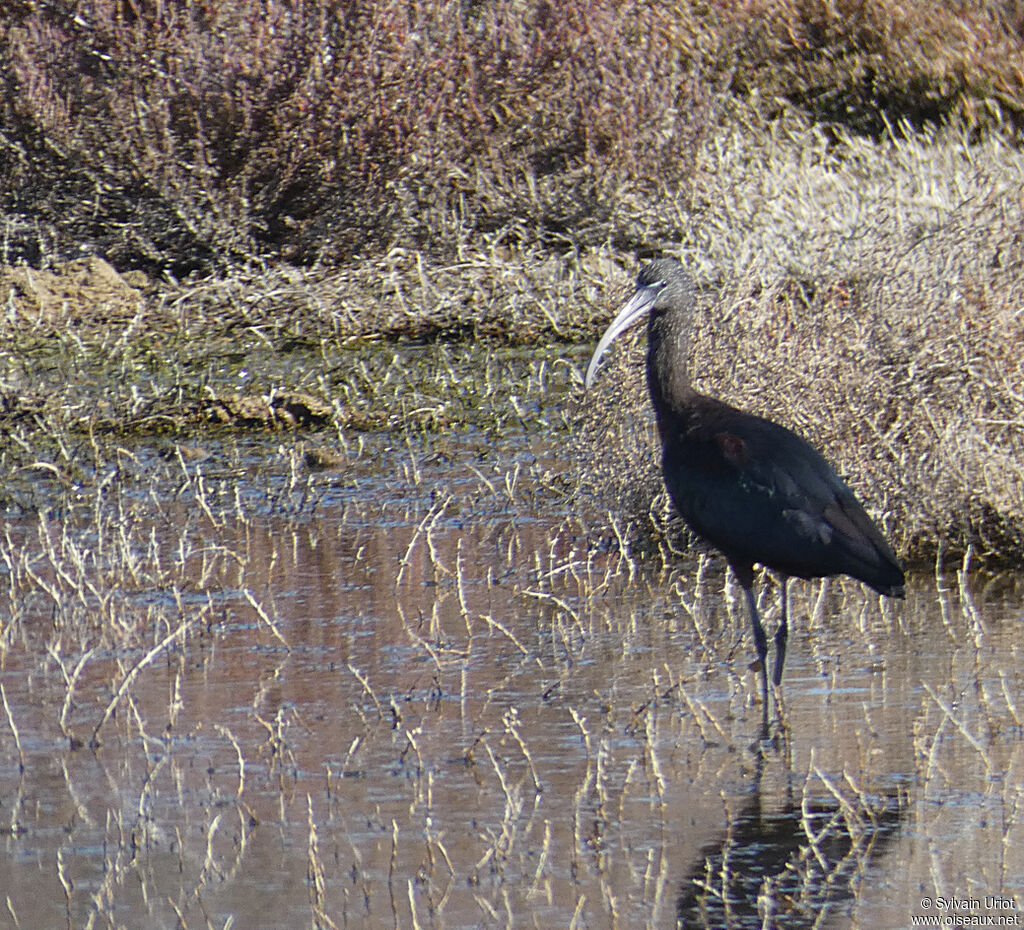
868,295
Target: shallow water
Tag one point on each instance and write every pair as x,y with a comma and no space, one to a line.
419,689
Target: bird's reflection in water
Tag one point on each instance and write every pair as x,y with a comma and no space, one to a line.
793,866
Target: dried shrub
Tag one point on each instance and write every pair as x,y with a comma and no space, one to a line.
178,135
866,64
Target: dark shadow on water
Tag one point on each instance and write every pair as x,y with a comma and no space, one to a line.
786,866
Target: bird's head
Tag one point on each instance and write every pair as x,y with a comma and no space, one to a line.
662,286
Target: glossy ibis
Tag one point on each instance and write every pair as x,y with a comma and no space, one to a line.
753,489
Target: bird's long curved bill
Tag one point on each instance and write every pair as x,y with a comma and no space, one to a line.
634,308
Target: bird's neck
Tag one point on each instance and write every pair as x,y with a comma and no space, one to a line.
668,367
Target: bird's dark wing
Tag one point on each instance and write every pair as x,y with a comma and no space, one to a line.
760,493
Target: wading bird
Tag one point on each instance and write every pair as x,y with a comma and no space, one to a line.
753,489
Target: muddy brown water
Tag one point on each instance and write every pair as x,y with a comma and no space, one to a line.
439,697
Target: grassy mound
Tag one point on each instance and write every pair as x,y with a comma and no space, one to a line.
867,294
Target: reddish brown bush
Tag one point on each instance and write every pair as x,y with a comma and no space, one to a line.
865,63
175,134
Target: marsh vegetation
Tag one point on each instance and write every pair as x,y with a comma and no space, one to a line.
324,600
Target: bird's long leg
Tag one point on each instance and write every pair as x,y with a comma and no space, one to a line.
781,635
761,645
